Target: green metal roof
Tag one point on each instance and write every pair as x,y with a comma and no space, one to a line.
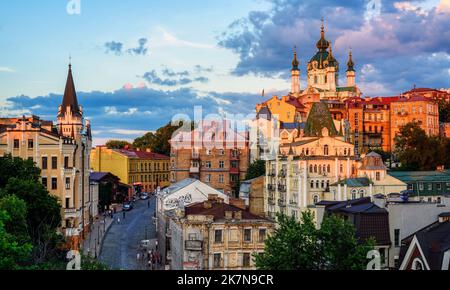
421,176
319,118
354,182
346,89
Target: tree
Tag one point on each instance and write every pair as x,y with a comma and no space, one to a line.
13,253
256,169
158,142
300,246
18,168
17,222
105,196
444,111
117,144
417,151
43,214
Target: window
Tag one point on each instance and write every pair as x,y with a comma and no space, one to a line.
430,186
417,265
397,237
247,235
312,183
67,202
378,176
67,182
315,79
45,182
246,260
66,162
420,185
217,260
54,162
316,199
208,152
438,186
218,236
221,164
310,168
439,200
44,163
262,235
16,144
208,164
208,178
30,144
221,178
54,183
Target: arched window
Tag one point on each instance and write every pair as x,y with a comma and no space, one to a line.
354,192
325,150
324,168
307,151
329,168
310,168
320,169
315,168
317,184
316,199
417,264
323,183
312,183
345,151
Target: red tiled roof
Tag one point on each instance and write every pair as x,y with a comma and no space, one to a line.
142,154
415,98
218,211
295,102
421,90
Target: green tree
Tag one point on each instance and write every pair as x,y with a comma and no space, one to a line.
18,168
256,169
417,151
300,246
43,215
13,253
444,111
105,197
117,144
17,211
158,142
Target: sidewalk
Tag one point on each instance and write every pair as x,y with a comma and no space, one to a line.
94,241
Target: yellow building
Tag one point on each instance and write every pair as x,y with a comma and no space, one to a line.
61,151
143,169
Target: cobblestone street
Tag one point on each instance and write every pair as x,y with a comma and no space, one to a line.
121,243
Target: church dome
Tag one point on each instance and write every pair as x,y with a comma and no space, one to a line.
322,44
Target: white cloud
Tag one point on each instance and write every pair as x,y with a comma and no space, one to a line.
128,132
6,69
113,111
172,40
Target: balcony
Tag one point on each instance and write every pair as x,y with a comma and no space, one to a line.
282,174
71,213
193,245
271,200
271,187
282,188
194,170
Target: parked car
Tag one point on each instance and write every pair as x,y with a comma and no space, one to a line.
127,206
145,196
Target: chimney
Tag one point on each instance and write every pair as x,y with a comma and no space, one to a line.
213,197
238,215
207,205
239,203
228,215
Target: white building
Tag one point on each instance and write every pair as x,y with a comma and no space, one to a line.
181,194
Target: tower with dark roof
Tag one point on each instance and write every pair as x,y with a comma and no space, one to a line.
70,114
351,75
295,73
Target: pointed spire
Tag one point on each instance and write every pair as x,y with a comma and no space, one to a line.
70,96
330,58
350,63
295,62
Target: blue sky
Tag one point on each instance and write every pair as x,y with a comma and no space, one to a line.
137,63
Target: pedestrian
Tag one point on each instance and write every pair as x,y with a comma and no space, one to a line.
138,256
123,214
118,220
148,204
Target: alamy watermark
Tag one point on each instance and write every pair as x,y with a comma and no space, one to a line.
73,7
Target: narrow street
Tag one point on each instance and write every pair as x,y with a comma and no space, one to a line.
121,244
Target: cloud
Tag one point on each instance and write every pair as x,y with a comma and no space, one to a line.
114,47
172,40
127,113
117,47
404,33
173,78
6,69
141,49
